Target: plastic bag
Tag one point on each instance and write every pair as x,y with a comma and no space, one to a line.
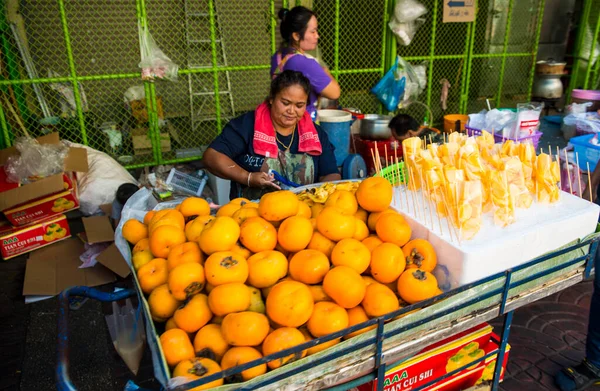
407,19
584,122
578,108
416,80
502,199
469,208
528,119
35,161
67,96
547,175
390,88
126,330
499,121
155,64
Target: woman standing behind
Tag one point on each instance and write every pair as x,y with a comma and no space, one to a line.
299,32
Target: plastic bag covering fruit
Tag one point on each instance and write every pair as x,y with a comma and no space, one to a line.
412,158
546,178
485,141
502,199
469,207
516,182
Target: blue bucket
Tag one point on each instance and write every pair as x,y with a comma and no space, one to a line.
336,123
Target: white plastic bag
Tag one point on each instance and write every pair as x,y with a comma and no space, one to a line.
528,119
34,161
155,64
407,18
416,80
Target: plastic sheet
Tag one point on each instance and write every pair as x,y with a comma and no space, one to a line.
407,19
126,330
35,161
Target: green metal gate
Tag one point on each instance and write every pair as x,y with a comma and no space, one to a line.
586,64
223,49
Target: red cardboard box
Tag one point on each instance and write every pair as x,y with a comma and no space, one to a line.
43,208
25,239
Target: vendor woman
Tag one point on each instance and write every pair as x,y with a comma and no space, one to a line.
299,33
278,135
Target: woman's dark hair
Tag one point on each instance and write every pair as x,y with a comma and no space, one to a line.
402,123
286,79
294,21
125,191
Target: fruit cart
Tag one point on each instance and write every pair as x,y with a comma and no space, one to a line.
394,337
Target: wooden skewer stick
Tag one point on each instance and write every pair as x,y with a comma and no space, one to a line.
425,202
429,203
430,142
568,173
578,174
448,214
387,162
589,180
414,196
437,212
374,161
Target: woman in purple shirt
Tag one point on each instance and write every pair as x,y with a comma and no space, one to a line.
299,33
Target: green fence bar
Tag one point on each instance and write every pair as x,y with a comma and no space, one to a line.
5,133
431,55
587,9
273,25
536,43
462,106
336,47
470,58
591,64
213,49
504,51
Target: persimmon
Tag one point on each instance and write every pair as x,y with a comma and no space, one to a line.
228,210
371,242
278,205
245,328
164,238
327,317
266,268
162,304
153,274
304,210
257,234
352,253
316,209
186,280
373,217
241,201
148,216
281,339
169,217
369,280
220,234
362,215
176,346
309,266
265,291
243,214
295,233
321,243
420,254
392,228
194,206
318,293
379,300
170,324
335,225
134,231
142,245
290,303
257,303
320,347
387,262
210,343
344,201
227,298
374,194
415,285
184,253
224,267
357,315
141,258
194,228
197,368
345,286
194,314
240,355
239,249
361,231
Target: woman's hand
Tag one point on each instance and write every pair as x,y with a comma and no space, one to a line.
262,180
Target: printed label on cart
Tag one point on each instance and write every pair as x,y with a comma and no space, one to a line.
25,239
529,126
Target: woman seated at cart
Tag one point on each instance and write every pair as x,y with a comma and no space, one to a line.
279,136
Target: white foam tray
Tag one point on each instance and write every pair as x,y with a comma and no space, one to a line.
536,231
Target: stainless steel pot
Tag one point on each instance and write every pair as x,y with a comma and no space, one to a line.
550,67
547,87
375,127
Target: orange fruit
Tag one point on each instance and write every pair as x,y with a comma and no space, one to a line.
415,285
241,201
371,242
210,343
141,258
387,262
244,213
257,234
392,228
166,217
142,245
162,304
335,225
227,298
266,268
164,238
290,303
327,317
379,300
228,210
295,233
224,267
194,228
357,315
186,280
245,328
352,253
197,368
309,266
153,274
194,206
345,286
318,293
362,215
316,209
148,217
420,254
281,339
361,231
184,253
369,280
278,205
176,346
194,314
373,217
239,249
374,194
321,243
304,210
344,201
241,355
134,231
220,234
170,324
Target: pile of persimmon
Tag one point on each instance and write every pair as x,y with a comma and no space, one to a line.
258,278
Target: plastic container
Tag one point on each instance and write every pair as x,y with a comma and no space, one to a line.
393,175
450,122
582,96
186,183
364,148
534,138
588,152
336,123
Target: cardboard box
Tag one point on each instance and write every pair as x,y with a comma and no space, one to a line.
76,161
140,111
98,229
43,208
22,240
142,144
433,361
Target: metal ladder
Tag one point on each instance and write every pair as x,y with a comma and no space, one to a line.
201,85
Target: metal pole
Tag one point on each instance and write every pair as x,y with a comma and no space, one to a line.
336,53
463,82
535,46
273,26
469,66
578,44
504,50
213,49
431,55
5,132
591,59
